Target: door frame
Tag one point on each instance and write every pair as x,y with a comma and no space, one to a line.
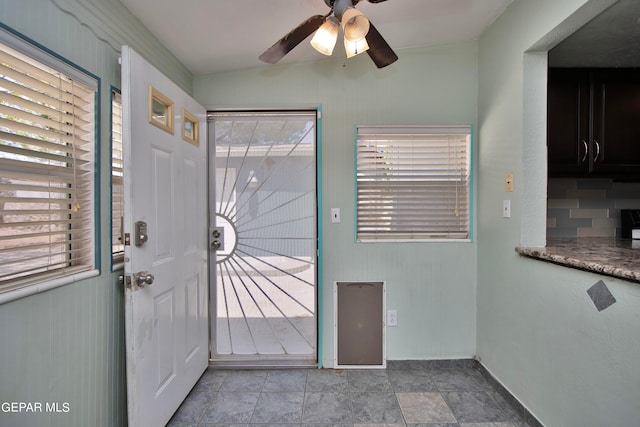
319,244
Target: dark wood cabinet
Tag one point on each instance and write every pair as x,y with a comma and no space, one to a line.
568,101
593,123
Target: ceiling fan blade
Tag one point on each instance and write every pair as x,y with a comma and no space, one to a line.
291,40
379,50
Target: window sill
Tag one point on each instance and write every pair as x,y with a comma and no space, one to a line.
610,257
36,288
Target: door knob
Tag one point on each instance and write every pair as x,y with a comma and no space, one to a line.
143,278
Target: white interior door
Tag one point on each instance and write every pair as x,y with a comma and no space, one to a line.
166,290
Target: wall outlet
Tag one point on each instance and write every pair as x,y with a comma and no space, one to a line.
392,317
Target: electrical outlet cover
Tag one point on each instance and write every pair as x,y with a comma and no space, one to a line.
392,318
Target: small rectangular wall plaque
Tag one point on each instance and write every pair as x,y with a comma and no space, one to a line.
601,295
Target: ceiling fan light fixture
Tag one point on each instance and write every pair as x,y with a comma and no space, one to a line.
354,24
324,40
353,48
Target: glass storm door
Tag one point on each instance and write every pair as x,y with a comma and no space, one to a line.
263,237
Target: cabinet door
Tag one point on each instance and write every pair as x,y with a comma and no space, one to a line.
568,122
616,122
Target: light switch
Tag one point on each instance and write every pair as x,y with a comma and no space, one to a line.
506,208
335,215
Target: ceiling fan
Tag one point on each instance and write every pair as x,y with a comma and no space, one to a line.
359,35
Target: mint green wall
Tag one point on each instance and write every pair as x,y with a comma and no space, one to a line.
67,344
537,330
432,285
532,325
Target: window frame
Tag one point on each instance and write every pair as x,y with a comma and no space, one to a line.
402,234
28,284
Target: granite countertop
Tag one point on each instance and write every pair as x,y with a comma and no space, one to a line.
612,257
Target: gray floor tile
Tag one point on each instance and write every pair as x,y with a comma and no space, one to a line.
222,425
512,413
327,380
405,364
375,407
380,425
286,380
369,380
326,408
328,425
422,408
420,397
173,423
435,425
269,425
244,381
474,407
211,380
278,407
459,380
411,380
231,407
193,407
487,425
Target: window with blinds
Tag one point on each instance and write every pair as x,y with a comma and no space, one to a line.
47,167
117,186
413,183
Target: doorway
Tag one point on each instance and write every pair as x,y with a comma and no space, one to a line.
263,234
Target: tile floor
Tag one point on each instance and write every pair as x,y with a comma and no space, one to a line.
422,397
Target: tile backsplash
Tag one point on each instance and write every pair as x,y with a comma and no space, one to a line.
588,207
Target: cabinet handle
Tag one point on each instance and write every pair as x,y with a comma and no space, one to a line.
597,150
586,150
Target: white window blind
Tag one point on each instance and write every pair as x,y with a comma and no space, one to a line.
413,183
117,188
47,170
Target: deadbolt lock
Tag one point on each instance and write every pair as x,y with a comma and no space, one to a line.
141,233
216,239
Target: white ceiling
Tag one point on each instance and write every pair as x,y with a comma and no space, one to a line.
210,36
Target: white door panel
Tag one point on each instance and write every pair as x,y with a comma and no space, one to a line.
164,186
